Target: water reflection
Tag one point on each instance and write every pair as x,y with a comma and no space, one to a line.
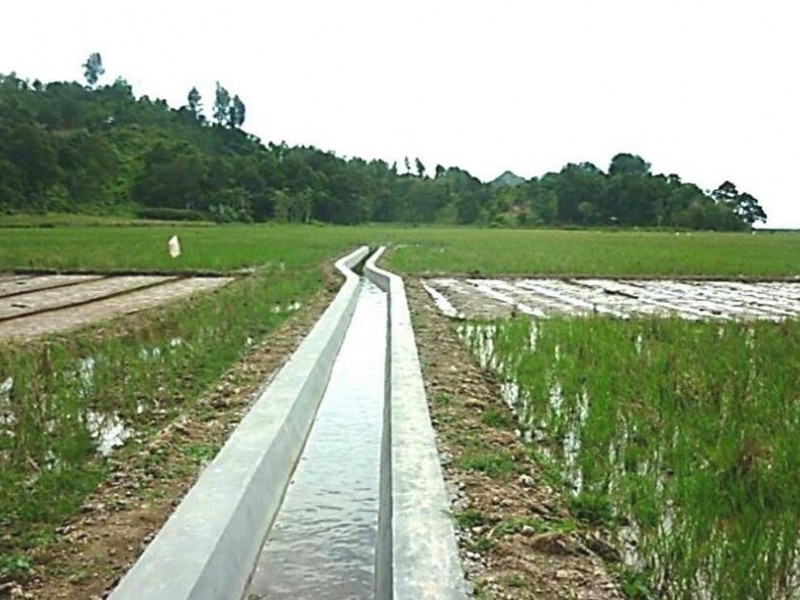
322,544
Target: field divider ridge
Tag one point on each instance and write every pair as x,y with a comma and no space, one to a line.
53,286
417,554
208,547
91,300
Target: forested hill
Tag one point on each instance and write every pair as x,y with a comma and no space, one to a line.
71,147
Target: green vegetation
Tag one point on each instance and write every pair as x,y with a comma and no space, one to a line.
611,253
535,524
499,464
680,435
415,250
496,417
470,517
98,149
271,248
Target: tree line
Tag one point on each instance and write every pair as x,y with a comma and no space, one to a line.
72,147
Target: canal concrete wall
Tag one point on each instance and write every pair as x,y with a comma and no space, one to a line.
207,548
417,551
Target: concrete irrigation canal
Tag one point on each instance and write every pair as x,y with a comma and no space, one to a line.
330,487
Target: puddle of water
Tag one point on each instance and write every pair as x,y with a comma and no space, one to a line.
6,418
322,544
86,374
441,301
108,431
5,390
290,307
479,337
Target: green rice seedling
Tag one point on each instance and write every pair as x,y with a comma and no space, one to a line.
681,435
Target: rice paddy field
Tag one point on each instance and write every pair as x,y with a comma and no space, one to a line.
423,250
681,436
678,435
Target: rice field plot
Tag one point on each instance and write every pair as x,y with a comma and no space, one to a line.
619,298
32,306
69,398
208,250
624,253
679,435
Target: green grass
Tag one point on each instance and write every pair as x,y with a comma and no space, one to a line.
536,524
145,248
496,417
48,220
471,517
611,253
499,464
416,250
682,432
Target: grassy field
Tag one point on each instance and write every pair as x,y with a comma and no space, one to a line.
416,250
601,253
680,435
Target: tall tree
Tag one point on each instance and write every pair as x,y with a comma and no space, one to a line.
628,164
195,103
237,112
420,168
744,206
749,210
93,68
726,193
222,106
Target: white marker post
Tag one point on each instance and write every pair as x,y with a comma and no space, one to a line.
174,246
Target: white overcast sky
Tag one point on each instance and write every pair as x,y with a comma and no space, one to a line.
707,89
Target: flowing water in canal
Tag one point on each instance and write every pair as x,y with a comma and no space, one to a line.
322,544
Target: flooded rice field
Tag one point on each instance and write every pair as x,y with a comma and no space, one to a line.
35,305
619,298
678,435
